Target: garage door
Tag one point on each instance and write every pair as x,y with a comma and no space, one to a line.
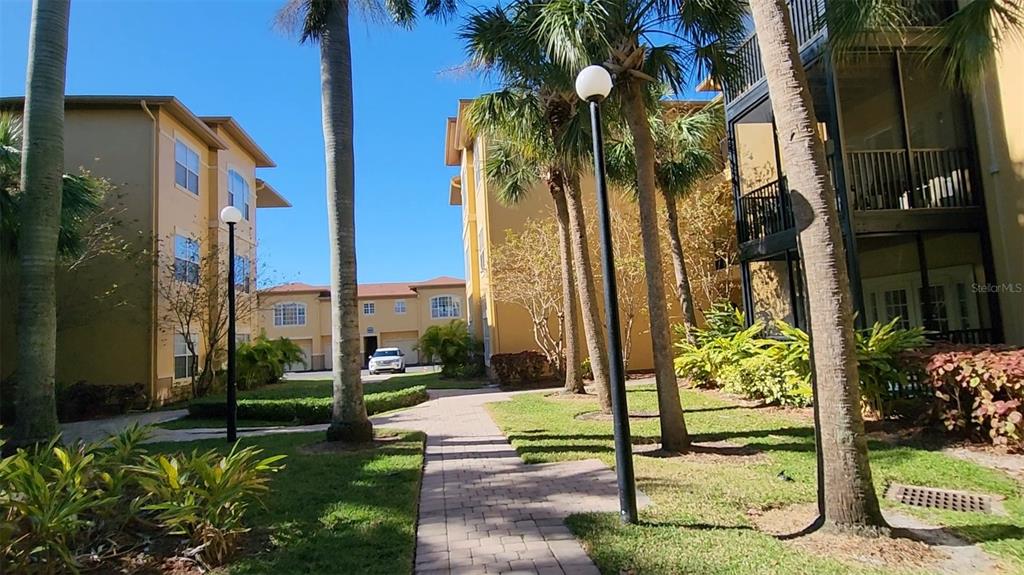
407,346
307,352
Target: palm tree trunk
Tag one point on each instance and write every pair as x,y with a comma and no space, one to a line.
349,421
42,172
570,317
588,295
673,427
850,499
679,264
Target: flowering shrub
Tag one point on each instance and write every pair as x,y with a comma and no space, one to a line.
979,390
525,366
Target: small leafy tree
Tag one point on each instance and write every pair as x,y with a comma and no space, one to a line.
452,345
525,271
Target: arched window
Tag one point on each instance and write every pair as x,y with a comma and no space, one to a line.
444,306
289,313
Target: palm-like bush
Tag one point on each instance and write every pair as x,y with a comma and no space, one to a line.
452,345
263,361
703,363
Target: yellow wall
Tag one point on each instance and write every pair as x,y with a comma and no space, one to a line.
999,123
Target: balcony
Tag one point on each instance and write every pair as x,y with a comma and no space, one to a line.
878,180
808,23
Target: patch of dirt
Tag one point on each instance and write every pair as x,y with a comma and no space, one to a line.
324,447
602,416
804,413
989,456
912,546
562,396
706,452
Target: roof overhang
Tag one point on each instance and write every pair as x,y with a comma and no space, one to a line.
268,197
452,157
234,130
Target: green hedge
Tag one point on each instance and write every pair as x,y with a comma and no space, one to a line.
304,410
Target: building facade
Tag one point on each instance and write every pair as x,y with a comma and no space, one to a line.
929,180
172,172
390,315
506,327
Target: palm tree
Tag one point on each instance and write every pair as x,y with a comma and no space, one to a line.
686,154
42,171
539,133
326,22
698,33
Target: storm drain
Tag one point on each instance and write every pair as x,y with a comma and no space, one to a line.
939,498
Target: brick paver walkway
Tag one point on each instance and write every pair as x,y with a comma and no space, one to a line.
482,510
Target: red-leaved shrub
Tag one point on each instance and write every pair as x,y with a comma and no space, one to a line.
525,366
979,390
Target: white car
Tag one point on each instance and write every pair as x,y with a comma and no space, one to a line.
387,359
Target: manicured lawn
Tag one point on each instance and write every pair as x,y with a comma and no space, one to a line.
699,522
349,512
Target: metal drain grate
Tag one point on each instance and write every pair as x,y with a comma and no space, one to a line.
939,498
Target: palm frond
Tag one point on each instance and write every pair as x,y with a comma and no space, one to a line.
510,170
967,41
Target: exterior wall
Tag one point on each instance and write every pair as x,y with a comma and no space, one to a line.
999,123
100,342
510,327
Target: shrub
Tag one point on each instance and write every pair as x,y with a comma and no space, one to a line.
762,378
262,361
81,400
304,410
525,367
703,363
452,345
722,320
65,505
978,390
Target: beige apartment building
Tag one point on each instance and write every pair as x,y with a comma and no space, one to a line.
173,172
390,315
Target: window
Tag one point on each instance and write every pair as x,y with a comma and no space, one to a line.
238,193
186,259
184,362
243,269
290,314
940,314
896,305
369,308
186,167
443,306
482,248
399,306
241,338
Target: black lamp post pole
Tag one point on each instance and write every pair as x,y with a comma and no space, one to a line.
620,411
232,401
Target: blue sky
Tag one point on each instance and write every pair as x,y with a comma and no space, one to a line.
223,57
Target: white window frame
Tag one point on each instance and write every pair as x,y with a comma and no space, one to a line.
190,366
186,262
239,197
369,308
947,278
400,307
280,314
450,312
190,152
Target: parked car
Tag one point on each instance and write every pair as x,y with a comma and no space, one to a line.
387,359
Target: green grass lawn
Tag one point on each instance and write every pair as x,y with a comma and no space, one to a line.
331,512
699,521
320,389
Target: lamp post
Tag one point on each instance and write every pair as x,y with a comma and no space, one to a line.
231,216
593,85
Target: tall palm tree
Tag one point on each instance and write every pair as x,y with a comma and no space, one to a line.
326,22
698,34
540,133
42,171
686,154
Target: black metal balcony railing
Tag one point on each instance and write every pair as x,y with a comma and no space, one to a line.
930,178
765,211
975,336
808,17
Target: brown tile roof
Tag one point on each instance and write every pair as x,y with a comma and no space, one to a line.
392,289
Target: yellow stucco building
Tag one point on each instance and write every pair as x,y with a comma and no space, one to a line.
506,327
172,172
390,315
